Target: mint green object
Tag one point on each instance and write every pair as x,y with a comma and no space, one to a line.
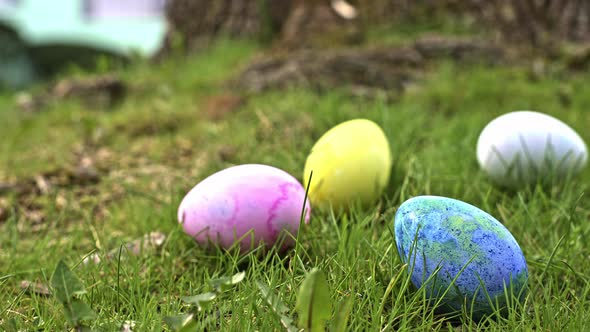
120,27
40,22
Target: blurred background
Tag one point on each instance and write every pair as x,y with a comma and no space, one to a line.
38,38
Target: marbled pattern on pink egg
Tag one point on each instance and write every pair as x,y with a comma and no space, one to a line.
230,203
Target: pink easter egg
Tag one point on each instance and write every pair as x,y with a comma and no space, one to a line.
250,202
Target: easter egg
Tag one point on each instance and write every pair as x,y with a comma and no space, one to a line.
442,239
525,147
351,161
248,203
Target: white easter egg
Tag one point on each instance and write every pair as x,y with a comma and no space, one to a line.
526,147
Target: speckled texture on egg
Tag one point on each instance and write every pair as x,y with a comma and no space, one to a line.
246,199
454,235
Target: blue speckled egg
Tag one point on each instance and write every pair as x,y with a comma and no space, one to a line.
460,241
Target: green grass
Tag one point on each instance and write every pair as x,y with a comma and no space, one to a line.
400,30
160,144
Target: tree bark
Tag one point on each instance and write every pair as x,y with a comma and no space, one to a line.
193,23
295,23
540,24
315,23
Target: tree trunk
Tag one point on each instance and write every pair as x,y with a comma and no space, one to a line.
193,23
317,23
541,24
297,23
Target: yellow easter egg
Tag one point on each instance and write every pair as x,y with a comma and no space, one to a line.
350,162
